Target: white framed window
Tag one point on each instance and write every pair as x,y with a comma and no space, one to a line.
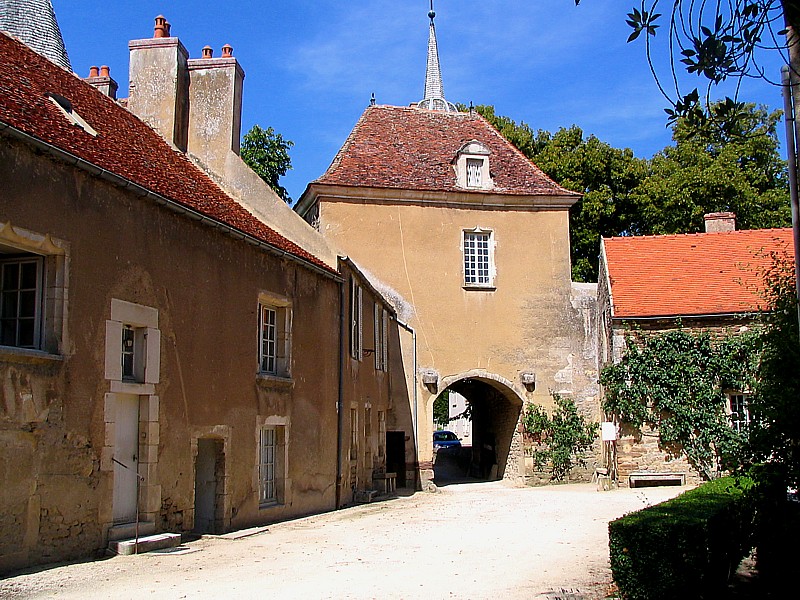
21,303
478,249
356,320
381,329
274,335
738,411
133,344
267,452
268,357
271,474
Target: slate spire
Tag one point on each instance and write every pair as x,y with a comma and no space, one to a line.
34,22
434,91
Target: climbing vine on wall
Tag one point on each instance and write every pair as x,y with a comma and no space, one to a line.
562,436
674,383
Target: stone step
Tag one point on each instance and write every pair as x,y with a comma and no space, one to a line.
146,544
125,531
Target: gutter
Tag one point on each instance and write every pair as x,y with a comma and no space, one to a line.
177,207
700,316
340,398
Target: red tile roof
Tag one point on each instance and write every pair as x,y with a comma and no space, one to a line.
125,145
692,274
414,149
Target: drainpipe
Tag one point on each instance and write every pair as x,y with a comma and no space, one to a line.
790,118
340,399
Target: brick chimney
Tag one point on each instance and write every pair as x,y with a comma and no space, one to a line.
101,79
720,221
215,107
159,83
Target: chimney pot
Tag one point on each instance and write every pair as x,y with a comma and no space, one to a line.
720,221
105,71
227,51
93,72
161,30
167,28
208,52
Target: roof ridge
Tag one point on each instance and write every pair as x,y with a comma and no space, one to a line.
694,234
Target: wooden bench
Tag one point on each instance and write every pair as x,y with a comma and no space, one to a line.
651,479
386,483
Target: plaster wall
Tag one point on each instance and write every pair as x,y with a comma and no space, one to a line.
531,321
205,285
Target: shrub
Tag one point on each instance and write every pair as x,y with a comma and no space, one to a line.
686,547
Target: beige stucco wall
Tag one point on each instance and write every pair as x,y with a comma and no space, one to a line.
529,322
54,415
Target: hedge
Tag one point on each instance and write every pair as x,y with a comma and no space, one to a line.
686,547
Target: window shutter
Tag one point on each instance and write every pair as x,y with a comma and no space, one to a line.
360,323
377,335
152,357
113,350
385,345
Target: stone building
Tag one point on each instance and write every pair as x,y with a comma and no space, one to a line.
173,336
706,281
475,238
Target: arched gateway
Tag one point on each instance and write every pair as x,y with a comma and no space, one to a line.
494,407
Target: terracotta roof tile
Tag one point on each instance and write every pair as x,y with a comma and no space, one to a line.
692,274
414,149
125,145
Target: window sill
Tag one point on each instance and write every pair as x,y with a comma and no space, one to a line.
479,288
133,387
267,380
27,356
269,505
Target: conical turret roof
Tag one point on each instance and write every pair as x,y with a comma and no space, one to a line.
34,22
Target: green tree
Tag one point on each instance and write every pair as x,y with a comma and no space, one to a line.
718,42
267,153
735,168
708,169
565,436
441,409
674,383
774,408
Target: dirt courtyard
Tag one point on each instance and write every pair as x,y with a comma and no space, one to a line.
480,540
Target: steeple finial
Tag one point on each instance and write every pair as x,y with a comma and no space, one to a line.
34,22
434,91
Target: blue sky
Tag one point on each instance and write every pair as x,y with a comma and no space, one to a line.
311,65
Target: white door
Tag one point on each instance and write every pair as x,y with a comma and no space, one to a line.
126,458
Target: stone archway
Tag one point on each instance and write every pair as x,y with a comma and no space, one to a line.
495,405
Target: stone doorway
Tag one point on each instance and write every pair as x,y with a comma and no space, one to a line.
209,485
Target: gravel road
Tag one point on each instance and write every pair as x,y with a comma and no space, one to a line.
479,540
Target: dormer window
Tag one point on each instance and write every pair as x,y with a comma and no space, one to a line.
66,108
474,171
472,166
